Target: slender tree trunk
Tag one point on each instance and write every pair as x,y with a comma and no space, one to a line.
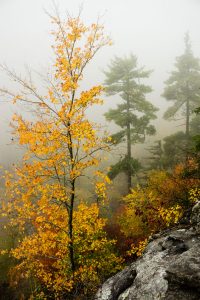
71,206
70,227
160,155
129,173
187,128
129,156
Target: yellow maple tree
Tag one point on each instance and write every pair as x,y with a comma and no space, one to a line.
60,244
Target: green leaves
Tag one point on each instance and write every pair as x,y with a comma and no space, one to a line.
123,78
196,138
183,85
123,165
134,114
118,137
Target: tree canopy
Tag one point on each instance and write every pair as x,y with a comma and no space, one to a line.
134,114
182,87
61,144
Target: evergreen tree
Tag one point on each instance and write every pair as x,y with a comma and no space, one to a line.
176,145
196,139
183,87
156,156
174,149
195,124
134,113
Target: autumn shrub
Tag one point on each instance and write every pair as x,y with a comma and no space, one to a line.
194,194
158,205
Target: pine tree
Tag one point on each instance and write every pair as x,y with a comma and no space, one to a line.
183,87
156,156
174,149
134,114
177,145
196,139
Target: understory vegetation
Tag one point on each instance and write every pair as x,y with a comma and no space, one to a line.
66,224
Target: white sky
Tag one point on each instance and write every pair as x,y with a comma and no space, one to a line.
151,29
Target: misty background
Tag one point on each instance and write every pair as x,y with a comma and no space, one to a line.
153,30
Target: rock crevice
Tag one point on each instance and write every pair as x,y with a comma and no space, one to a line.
169,268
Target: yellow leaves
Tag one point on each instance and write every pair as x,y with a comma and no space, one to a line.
82,130
52,98
109,139
3,252
194,194
45,253
76,46
101,184
150,208
40,219
156,178
161,203
138,249
103,176
76,27
94,254
90,97
15,117
63,124
7,183
171,215
61,145
18,97
100,189
79,167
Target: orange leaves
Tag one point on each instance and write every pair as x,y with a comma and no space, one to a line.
101,184
158,205
45,252
76,46
171,215
16,98
194,194
90,97
52,98
138,250
62,128
61,145
76,27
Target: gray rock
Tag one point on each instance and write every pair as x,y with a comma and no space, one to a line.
169,268
114,286
195,216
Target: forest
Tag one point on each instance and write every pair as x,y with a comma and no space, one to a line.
78,205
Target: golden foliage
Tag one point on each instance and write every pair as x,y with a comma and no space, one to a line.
44,254
63,248
194,194
139,249
158,205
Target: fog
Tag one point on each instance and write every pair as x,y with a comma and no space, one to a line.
153,30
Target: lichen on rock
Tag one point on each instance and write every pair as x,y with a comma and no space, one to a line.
169,268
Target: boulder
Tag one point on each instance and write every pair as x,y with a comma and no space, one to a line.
169,268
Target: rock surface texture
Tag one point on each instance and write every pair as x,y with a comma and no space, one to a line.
169,268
